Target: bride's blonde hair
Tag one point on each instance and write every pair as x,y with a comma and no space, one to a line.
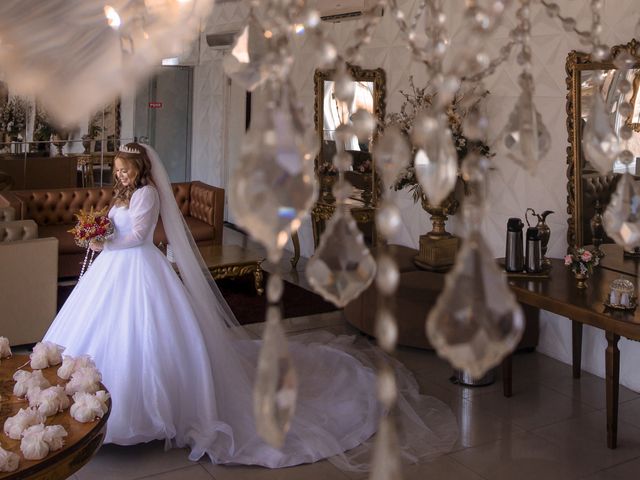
135,157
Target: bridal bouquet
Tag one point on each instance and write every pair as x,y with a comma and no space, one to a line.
92,225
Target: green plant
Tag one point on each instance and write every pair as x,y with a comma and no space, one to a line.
13,116
42,128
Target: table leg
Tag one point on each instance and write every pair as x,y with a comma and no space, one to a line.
296,249
258,277
507,378
576,341
613,385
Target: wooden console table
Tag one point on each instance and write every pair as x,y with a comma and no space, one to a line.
225,261
82,442
559,294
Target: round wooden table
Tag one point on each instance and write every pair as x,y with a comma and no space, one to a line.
82,442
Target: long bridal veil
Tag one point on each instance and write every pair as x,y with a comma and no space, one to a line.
337,406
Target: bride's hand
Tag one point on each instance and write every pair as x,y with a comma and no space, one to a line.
96,246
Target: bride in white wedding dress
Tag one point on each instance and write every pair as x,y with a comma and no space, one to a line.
179,368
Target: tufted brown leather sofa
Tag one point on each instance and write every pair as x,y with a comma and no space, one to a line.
53,210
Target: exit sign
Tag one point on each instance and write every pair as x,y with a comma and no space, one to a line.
155,104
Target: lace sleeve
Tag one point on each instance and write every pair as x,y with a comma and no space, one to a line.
143,208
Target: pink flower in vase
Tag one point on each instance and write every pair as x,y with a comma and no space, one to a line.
568,259
586,256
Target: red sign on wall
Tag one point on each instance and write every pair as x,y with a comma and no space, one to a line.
155,104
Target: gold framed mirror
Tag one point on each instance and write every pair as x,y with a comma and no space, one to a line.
588,192
370,94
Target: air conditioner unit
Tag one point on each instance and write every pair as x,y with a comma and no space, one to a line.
224,38
344,10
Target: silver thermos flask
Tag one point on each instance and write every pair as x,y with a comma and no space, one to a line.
533,255
514,258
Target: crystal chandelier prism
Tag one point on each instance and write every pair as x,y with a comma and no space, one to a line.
273,187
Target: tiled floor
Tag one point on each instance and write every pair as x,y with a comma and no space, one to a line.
552,428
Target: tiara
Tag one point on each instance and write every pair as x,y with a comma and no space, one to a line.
125,149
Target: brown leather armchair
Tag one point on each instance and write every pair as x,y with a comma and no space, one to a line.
7,214
29,280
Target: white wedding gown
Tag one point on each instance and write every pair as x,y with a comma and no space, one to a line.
168,376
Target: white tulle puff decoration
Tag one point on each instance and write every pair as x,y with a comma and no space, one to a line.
38,441
46,354
26,380
85,379
49,401
54,436
5,348
8,461
25,418
87,407
71,364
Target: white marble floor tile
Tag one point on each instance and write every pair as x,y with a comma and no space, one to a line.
524,456
586,437
194,472
533,407
128,463
624,471
317,471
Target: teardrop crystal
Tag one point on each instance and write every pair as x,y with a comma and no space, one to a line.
386,452
345,86
276,385
245,64
391,155
436,162
599,141
622,216
342,266
526,137
364,123
476,321
273,186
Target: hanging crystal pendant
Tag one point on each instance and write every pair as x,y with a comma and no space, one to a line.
391,155
476,321
386,463
276,386
345,86
436,162
342,266
622,216
526,137
273,186
246,64
599,142
386,452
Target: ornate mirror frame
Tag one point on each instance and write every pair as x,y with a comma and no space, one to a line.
378,78
576,63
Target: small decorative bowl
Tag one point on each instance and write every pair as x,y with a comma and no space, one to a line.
621,295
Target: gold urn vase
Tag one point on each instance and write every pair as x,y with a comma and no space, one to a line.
438,248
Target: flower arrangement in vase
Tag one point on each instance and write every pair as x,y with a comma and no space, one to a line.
581,262
419,100
438,247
